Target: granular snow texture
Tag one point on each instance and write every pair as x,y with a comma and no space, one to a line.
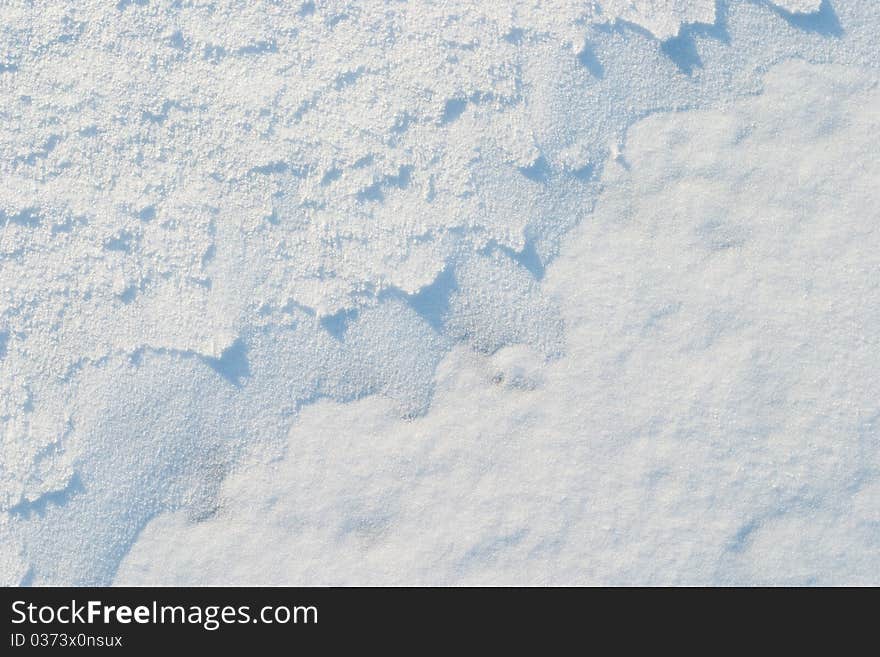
440,292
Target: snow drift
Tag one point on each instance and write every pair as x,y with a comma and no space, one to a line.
439,292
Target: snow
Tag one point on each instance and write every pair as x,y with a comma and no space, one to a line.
694,432
439,293
663,18
799,6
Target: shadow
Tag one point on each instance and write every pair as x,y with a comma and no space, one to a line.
178,42
270,168
129,294
376,191
347,79
585,173
823,22
29,578
38,507
453,109
530,259
537,172
515,36
682,50
233,364
588,59
122,242
213,53
336,325
42,153
330,175
258,48
29,218
432,301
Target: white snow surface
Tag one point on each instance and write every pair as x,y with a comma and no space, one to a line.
439,292
799,6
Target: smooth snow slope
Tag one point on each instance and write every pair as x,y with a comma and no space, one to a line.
307,277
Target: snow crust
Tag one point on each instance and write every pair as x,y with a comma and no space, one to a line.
242,238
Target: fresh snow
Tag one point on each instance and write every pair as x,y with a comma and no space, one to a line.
441,293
